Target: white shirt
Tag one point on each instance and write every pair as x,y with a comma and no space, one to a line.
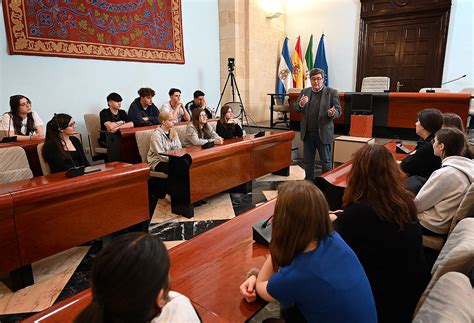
166,107
7,124
178,309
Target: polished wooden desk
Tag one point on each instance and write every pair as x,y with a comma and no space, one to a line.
338,175
30,148
208,269
197,173
8,243
53,213
397,109
333,182
122,145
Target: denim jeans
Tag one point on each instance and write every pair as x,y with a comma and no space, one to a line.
311,143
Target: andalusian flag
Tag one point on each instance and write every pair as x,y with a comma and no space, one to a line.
285,78
308,62
297,62
320,61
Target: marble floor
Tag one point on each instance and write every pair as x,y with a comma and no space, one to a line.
69,271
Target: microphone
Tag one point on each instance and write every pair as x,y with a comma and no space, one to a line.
262,231
453,80
73,171
447,82
9,138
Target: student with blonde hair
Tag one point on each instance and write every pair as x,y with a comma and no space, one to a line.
163,139
310,268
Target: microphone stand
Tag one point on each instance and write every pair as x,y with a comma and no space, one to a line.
450,81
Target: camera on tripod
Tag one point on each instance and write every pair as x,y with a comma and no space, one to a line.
231,64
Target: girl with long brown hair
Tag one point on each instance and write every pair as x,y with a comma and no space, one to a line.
227,127
199,132
379,223
310,267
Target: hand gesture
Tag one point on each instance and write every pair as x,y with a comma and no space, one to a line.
247,289
304,99
231,121
332,111
219,141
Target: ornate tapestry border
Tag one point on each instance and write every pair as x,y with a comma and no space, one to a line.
20,43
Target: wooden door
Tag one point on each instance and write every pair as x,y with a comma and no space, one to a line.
404,40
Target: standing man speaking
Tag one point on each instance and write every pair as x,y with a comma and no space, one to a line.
319,106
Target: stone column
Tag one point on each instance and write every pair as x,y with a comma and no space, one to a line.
255,41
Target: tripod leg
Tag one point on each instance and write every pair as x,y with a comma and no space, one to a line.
223,90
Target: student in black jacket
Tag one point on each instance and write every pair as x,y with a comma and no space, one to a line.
62,150
380,224
227,127
142,111
422,161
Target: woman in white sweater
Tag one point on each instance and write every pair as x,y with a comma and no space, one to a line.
441,195
163,139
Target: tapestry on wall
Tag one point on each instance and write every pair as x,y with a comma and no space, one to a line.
137,30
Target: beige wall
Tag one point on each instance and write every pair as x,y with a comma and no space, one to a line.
255,42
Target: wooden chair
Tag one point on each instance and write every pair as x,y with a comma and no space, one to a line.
465,209
14,165
92,122
375,84
43,163
143,143
450,300
280,103
457,255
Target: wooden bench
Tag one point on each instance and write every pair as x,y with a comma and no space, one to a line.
197,173
122,145
53,213
210,279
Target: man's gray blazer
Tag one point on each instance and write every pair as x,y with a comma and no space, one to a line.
329,98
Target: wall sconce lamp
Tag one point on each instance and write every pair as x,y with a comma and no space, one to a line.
276,14
272,8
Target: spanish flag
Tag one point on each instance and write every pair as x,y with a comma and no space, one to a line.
297,62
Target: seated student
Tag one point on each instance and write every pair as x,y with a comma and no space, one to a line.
421,162
310,267
199,132
163,139
227,127
130,283
199,101
379,223
62,150
22,122
453,120
442,193
175,106
142,111
113,118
